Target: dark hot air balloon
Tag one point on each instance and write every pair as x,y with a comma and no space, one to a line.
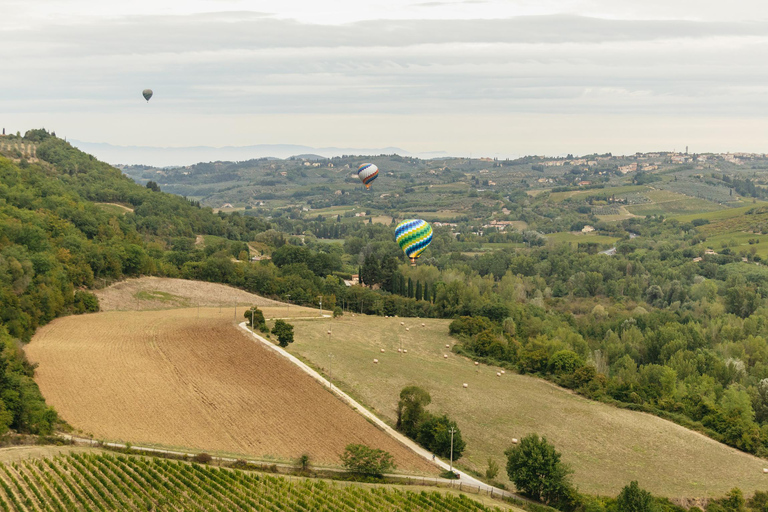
147,93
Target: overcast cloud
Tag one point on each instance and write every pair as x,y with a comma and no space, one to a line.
474,76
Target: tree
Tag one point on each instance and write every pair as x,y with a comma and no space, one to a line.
358,458
410,409
303,463
434,434
534,467
634,499
493,469
284,332
370,272
255,318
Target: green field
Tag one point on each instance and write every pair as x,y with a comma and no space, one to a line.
94,481
737,242
575,238
713,216
606,446
558,197
666,202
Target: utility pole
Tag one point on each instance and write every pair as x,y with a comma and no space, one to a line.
330,370
288,307
452,431
251,320
321,305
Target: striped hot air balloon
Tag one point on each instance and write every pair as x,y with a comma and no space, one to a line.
413,236
367,173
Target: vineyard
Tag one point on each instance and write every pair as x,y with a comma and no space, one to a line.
101,482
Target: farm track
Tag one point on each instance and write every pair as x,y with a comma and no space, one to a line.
169,378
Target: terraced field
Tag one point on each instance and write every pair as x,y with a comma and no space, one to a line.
100,482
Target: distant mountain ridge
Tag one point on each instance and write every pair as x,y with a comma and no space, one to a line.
179,156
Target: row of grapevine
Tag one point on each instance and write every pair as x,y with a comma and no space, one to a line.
103,482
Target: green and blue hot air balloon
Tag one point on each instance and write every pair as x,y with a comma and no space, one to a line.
413,236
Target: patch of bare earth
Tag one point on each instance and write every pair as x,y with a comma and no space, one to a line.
165,293
174,379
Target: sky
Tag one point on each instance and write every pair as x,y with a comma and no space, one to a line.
468,77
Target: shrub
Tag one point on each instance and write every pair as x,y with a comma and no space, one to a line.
360,459
202,458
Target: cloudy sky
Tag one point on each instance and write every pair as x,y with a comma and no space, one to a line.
480,77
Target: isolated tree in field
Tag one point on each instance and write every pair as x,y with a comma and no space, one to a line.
493,469
284,332
634,499
410,409
258,319
303,463
358,458
534,467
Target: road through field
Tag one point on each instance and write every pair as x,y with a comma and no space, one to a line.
428,456
173,379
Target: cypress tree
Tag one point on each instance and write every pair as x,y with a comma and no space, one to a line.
426,291
418,290
410,288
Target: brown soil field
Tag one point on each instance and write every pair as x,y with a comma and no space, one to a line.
174,379
165,293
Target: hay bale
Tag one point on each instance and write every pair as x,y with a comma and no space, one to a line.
382,351
399,350
502,372
423,324
402,323
498,374
407,328
405,351
376,361
447,346
514,441
445,356
466,385
476,363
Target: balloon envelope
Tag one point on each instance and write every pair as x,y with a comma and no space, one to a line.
367,173
147,93
413,236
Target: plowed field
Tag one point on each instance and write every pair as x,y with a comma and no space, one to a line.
173,379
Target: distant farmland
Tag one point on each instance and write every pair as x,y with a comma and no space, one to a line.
607,447
172,379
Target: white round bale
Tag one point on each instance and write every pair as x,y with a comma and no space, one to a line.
329,332
498,374
405,351
447,346
514,441
445,356
502,372
407,328
476,363
423,324
382,351
375,361
402,323
466,385
399,350
765,470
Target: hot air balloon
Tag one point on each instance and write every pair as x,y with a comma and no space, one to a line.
147,93
367,173
413,236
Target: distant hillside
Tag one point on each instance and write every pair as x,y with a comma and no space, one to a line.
169,157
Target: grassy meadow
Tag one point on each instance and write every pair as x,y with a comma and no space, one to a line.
606,446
